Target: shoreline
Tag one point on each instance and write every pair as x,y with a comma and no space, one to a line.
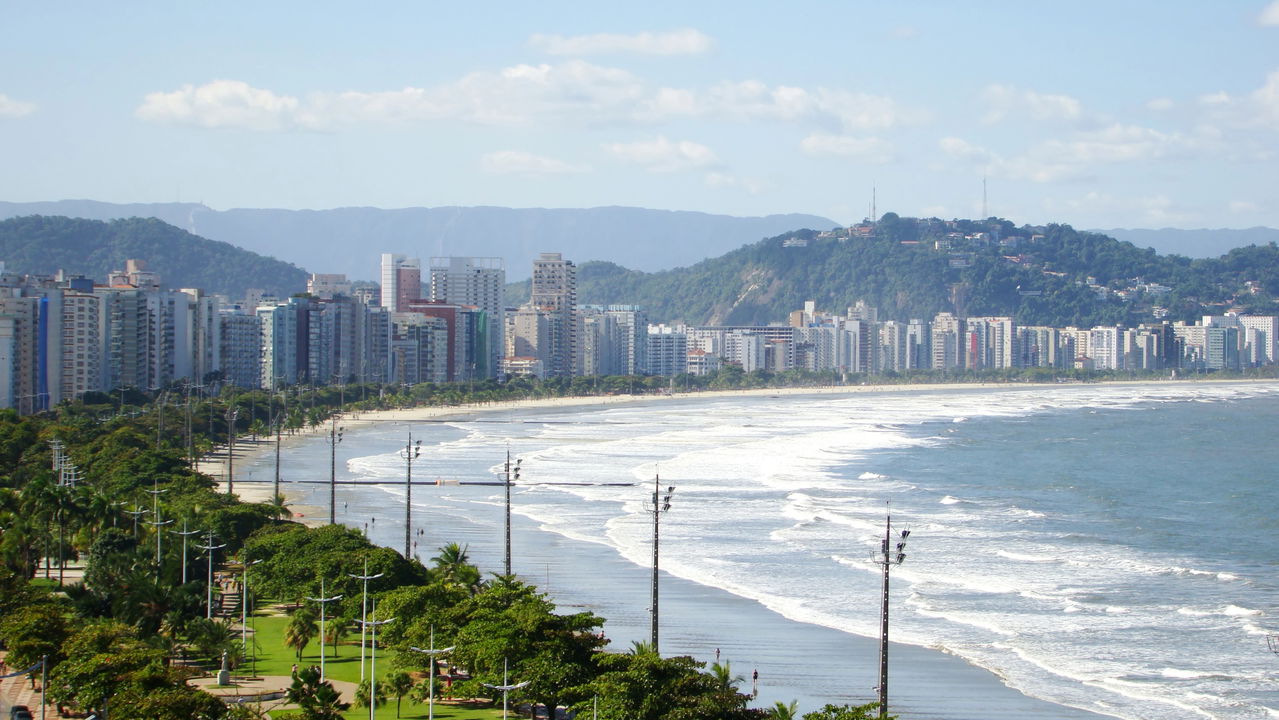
215,463
932,683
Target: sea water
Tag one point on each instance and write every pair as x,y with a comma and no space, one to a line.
1104,547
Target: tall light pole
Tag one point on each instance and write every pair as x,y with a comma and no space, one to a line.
661,503
156,492
512,475
888,556
505,687
244,603
209,588
232,414
364,608
324,602
136,512
431,652
412,451
185,534
373,670
335,437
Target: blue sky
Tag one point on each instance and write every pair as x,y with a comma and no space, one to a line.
1099,114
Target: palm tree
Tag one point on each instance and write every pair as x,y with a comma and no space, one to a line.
334,631
723,673
301,628
363,696
399,684
454,567
639,647
784,711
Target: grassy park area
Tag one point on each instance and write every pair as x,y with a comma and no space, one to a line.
270,656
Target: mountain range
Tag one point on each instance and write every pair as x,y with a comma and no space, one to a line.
349,240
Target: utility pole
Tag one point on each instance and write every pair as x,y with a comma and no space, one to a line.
661,504
410,453
888,556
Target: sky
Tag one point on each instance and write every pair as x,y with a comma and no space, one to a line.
1095,113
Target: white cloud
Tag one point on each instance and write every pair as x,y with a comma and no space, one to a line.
1005,100
1078,156
1159,104
729,180
518,162
14,108
1242,206
1260,108
1269,15
663,155
686,41
905,32
1101,209
869,149
221,103
573,92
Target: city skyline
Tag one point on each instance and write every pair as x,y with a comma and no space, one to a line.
1145,115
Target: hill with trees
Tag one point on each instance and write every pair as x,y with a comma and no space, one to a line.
43,245
350,239
914,268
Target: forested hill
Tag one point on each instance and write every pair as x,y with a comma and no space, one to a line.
1047,275
43,245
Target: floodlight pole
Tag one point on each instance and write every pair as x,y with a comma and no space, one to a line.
888,556
232,414
335,437
512,475
412,451
661,504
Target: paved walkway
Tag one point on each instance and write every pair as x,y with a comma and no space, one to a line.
18,691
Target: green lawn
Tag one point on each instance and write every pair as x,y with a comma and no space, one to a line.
273,658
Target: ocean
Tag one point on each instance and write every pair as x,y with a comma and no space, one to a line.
1075,551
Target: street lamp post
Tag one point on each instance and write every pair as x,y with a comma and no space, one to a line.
209,588
244,603
431,652
364,608
505,687
660,504
156,492
373,669
335,437
185,534
512,475
412,451
888,556
324,602
136,512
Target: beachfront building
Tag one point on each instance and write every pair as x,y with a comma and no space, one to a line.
667,351
401,281
478,282
554,292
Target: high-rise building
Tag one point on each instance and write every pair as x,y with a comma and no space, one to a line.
401,281
555,292
479,282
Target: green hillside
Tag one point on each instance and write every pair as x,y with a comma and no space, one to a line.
914,268
43,245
